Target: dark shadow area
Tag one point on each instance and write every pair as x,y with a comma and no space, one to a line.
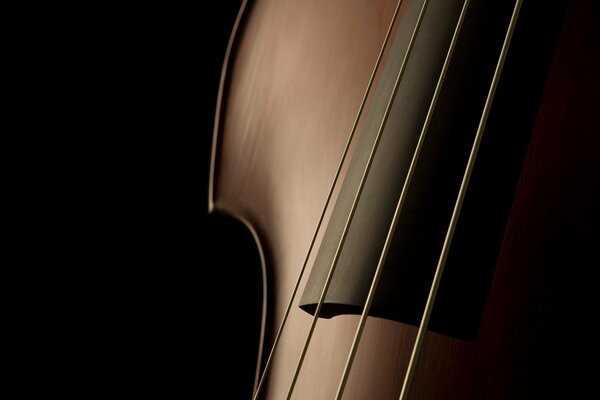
230,309
162,292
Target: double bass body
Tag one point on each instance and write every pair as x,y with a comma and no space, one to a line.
291,87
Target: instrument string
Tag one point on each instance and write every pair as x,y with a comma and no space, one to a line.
400,203
328,198
357,197
418,345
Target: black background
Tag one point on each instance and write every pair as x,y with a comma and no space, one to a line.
160,297
203,288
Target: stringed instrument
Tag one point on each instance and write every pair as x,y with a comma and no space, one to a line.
421,180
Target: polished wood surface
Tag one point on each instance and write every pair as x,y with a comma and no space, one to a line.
291,89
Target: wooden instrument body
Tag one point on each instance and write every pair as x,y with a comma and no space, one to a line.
291,87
